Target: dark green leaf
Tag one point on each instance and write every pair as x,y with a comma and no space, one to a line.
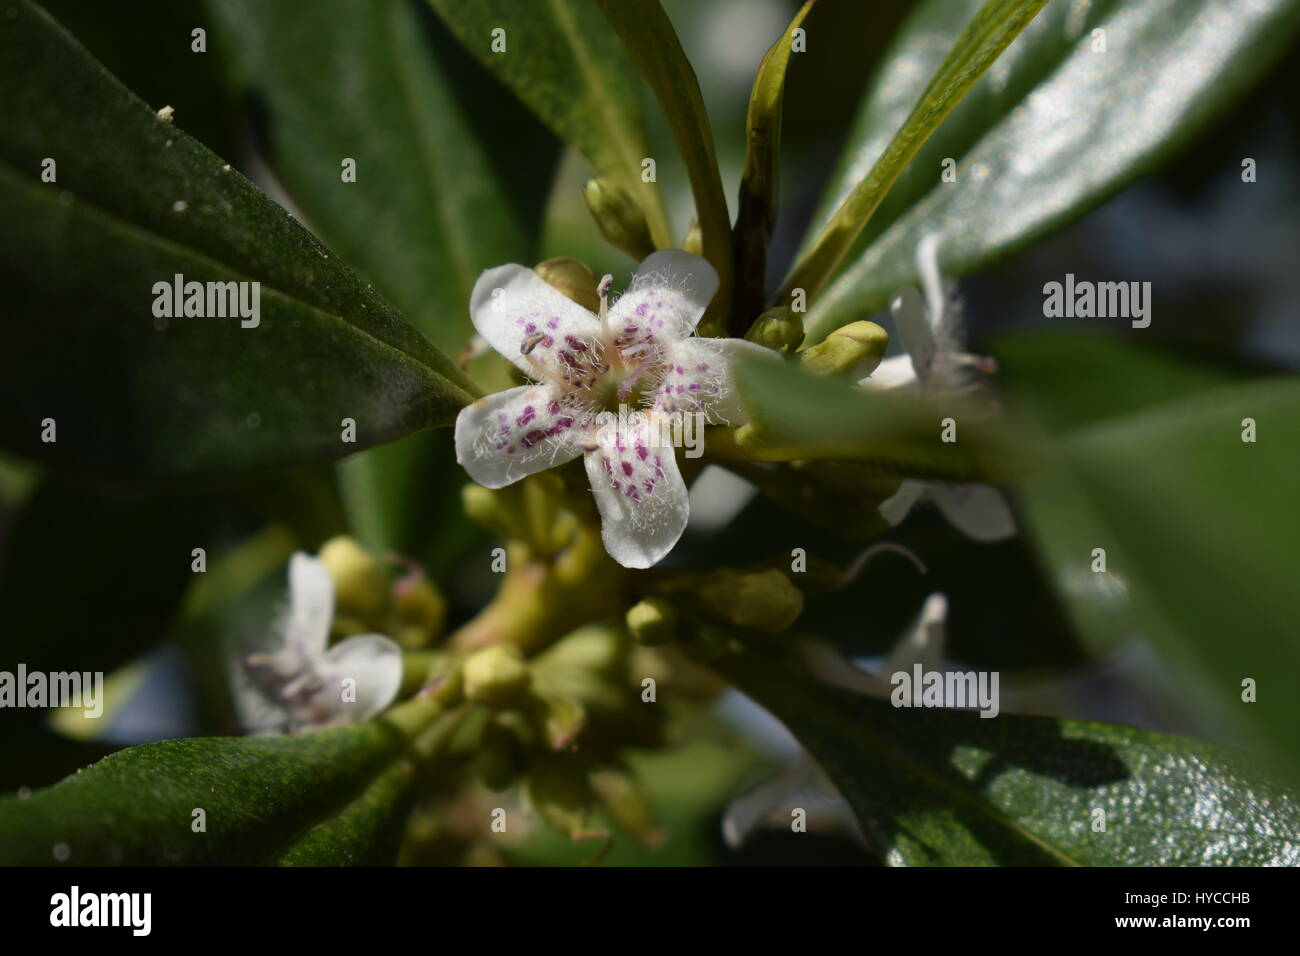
1054,129
319,798
938,787
136,202
563,61
761,178
428,210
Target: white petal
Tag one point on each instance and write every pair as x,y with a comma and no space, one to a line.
512,434
667,297
311,608
893,374
924,642
828,665
258,710
374,662
927,267
513,308
642,499
915,329
699,377
895,508
978,511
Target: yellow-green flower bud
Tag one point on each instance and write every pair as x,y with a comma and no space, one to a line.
565,718
693,241
780,329
627,803
652,621
855,349
766,600
418,610
573,278
498,760
621,220
360,581
497,675
558,790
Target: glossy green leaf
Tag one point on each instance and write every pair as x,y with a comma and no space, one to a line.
562,60
1199,530
1053,129
759,183
318,798
794,415
939,787
429,208
988,33
137,202
648,35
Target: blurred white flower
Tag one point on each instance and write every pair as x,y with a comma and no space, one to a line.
936,367
301,684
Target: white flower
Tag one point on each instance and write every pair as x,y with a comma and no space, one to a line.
301,685
639,354
935,367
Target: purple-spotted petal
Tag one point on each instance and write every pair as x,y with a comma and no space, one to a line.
512,434
666,299
698,377
543,332
642,499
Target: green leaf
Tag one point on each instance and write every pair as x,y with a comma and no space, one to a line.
1022,169
942,787
648,34
794,415
137,202
564,63
1199,528
317,799
761,178
993,27
429,209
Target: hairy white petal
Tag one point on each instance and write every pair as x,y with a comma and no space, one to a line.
698,377
512,434
529,322
640,494
667,297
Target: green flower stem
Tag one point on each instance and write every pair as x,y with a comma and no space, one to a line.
541,600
